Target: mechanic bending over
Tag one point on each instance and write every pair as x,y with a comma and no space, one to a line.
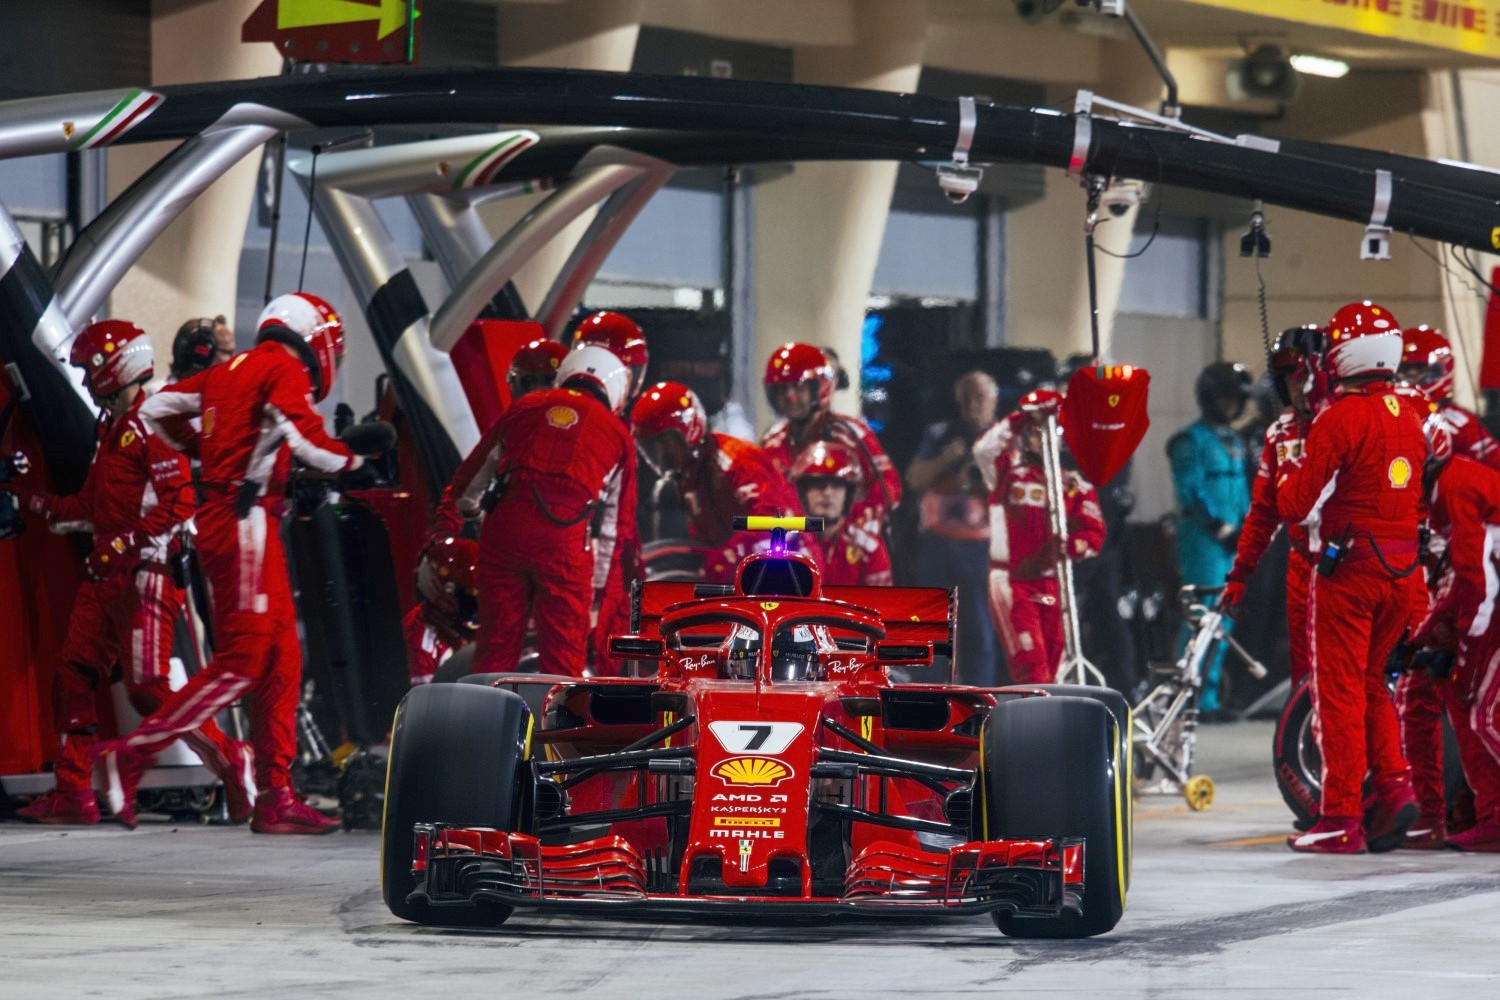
718,477
1295,361
136,494
256,413
830,480
550,487
445,618
1360,488
799,384
1024,551
623,338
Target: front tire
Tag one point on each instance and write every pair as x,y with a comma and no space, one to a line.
458,756
1051,768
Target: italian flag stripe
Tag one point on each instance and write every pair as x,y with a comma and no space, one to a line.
131,110
484,166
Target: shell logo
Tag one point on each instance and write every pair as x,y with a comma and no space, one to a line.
562,416
1399,473
752,771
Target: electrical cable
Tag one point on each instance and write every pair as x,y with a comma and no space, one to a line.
312,199
1161,199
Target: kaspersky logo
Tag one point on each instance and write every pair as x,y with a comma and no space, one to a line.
761,772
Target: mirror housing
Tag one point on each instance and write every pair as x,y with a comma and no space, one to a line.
904,654
637,647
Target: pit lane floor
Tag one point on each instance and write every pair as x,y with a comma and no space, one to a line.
1218,906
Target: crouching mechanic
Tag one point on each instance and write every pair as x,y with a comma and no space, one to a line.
1297,351
1464,507
256,413
717,476
830,481
446,616
136,493
1360,486
1024,551
550,490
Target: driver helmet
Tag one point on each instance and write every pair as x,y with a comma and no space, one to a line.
794,654
740,654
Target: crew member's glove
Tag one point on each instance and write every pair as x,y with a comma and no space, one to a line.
111,554
1231,598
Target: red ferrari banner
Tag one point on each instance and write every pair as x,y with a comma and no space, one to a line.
1104,418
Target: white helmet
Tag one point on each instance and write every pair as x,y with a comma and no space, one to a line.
1372,354
605,370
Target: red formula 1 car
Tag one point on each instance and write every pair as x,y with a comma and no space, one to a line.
771,764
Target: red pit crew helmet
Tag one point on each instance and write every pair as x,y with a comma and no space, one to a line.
534,366
1037,403
312,328
666,413
828,460
447,580
794,364
620,335
1363,339
1427,362
113,354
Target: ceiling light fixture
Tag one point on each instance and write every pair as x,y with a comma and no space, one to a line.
1312,65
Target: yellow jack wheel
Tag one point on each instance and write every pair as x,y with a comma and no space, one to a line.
1199,792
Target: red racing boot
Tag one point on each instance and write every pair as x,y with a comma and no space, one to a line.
123,766
1426,834
1330,835
279,810
70,808
1393,812
239,783
1483,836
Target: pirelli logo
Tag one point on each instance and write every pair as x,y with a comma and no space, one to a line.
759,822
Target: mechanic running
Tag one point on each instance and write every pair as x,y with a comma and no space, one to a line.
256,413
136,495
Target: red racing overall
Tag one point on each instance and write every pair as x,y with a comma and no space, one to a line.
561,455
1359,483
782,444
256,412
734,478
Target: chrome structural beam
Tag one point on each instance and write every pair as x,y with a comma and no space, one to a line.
426,384
110,245
501,262
610,222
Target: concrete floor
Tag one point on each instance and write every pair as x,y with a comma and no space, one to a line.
1218,906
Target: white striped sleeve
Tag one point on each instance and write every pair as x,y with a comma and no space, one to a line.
157,409
319,458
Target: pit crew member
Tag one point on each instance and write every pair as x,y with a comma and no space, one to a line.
623,338
550,491
1213,494
1297,350
1427,364
136,494
1024,551
1359,485
1464,507
830,480
718,477
799,383
446,616
256,414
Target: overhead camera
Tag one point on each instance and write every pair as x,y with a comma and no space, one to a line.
1121,196
958,181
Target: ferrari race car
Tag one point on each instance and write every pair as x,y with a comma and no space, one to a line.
771,763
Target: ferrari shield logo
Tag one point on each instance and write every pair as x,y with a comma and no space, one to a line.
770,605
1495,237
562,417
127,439
1394,405
1114,400
745,847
